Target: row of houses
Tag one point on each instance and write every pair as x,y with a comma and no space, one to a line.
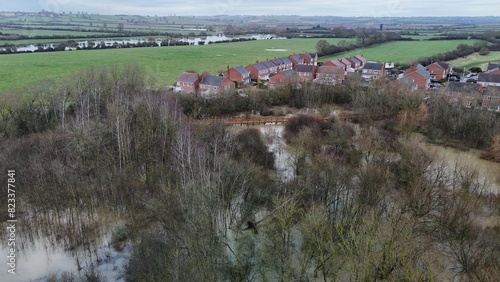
474,95
207,84
204,83
485,94
418,77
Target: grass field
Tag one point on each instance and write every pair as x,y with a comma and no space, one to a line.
403,51
476,60
164,63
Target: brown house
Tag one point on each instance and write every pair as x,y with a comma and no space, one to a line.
238,74
296,60
373,71
355,63
273,68
187,82
337,63
439,70
418,75
210,85
329,75
280,78
361,59
305,72
258,71
310,59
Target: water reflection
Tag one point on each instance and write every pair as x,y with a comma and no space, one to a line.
73,240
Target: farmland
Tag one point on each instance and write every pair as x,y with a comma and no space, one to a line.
164,63
403,51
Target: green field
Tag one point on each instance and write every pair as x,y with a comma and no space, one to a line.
164,63
403,51
476,60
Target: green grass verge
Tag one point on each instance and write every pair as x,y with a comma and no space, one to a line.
403,51
476,60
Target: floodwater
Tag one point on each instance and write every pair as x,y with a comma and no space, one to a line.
123,42
51,244
488,172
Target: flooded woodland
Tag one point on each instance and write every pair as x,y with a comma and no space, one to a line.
117,182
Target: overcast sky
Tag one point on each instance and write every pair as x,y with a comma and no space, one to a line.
377,8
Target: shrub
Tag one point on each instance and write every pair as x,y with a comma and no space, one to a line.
118,236
250,146
476,69
484,51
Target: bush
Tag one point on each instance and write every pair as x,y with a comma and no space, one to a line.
476,69
250,146
118,236
484,51
296,124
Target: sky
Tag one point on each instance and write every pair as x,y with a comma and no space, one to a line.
370,8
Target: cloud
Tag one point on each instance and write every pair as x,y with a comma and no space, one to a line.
380,8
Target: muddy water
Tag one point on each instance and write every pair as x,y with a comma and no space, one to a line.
489,172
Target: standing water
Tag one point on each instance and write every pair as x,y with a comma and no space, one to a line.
488,172
73,243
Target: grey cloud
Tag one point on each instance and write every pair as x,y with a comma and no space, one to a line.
394,8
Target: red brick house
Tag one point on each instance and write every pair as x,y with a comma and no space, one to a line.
238,74
273,68
347,64
210,85
187,82
305,72
355,63
329,75
373,70
287,64
258,71
361,59
296,60
337,63
280,78
439,70
418,75
310,59
283,63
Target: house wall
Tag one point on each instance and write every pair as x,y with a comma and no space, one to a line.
277,80
187,87
234,75
422,82
436,71
209,88
227,85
